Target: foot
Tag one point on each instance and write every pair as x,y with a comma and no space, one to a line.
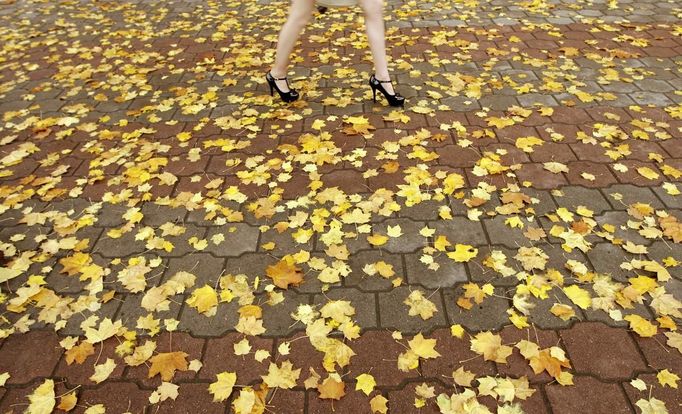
387,85
281,84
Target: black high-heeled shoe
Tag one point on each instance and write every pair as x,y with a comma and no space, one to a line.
288,96
393,100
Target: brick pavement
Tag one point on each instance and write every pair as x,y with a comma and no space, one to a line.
139,146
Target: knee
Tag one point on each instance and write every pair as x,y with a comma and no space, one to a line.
372,8
301,17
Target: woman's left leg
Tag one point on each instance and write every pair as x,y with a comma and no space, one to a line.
374,22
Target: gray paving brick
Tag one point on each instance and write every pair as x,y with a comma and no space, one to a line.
358,278
204,266
131,309
364,304
409,241
239,238
393,313
460,230
448,274
630,194
574,196
490,314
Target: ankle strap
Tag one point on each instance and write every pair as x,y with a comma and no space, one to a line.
382,81
284,78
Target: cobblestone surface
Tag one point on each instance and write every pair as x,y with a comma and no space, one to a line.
127,120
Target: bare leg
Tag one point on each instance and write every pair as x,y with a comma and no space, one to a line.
374,21
299,14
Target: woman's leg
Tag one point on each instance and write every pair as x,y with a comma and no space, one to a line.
374,20
299,14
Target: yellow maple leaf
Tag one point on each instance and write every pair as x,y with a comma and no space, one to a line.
42,400
463,253
283,376
377,239
221,389
641,326
666,377
378,404
490,346
102,371
423,348
365,383
419,305
578,295
204,300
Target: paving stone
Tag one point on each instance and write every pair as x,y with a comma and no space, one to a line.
449,272
384,370
30,233
124,246
601,316
402,400
631,194
118,397
364,304
353,401
358,278
225,320
619,219
284,243
650,98
658,354
426,210
192,398
480,273
579,196
393,313
460,230
239,238
106,310
490,314
588,395
505,235
286,401
668,200
668,395
277,319
606,258
181,245
302,355
30,355
542,317
155,215
455,352
518,366
169,342
131,309
590,347
111,215
206,267
219,357
409,241
79,374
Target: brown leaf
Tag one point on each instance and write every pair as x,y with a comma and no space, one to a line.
284,274
331,388
167,363
79,353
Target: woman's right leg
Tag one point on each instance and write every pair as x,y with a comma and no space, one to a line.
299,14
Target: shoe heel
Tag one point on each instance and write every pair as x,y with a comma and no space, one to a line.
271,90
374,93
